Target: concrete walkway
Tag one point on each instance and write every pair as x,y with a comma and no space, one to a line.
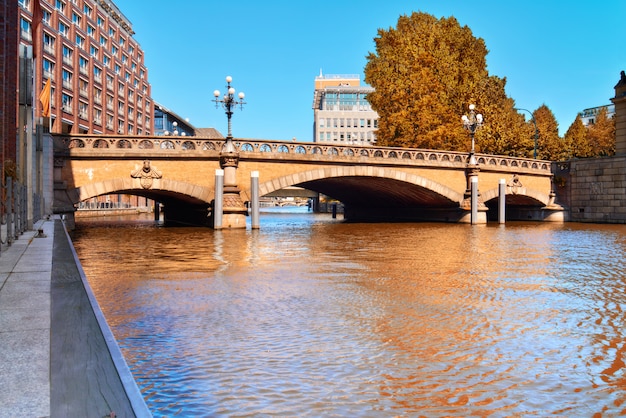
58,357
25,273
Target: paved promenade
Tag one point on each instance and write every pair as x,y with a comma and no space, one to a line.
25,272
58,357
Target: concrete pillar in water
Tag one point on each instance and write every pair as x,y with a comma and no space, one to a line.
218,205
254,199
502,201
474,201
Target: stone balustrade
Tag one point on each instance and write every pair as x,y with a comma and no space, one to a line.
85,145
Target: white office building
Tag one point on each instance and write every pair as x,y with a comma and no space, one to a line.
342,114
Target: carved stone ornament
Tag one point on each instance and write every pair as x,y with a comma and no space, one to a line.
229,160
514,184
146,175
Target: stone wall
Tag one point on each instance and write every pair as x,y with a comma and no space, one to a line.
594,189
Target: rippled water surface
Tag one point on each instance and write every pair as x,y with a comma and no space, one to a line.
309,316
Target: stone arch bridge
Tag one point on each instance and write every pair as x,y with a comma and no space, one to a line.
373,183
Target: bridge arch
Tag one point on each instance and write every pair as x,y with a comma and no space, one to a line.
320,180
519,196
163,188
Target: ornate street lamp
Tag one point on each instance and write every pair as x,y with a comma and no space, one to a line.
231,205
229,103
532,117
471,123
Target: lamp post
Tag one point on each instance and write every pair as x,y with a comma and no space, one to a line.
233,208
532,117
229,103
471,201
175,127
471,123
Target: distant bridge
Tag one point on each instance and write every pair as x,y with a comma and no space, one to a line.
373,183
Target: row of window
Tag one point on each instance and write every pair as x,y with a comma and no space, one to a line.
348,123
123,89
77,19
345,102
83,109
347,136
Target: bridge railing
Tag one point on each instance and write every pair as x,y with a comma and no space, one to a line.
154,146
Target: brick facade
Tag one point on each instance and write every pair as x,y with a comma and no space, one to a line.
96,67
8,80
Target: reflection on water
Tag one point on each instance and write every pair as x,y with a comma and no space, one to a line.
309,316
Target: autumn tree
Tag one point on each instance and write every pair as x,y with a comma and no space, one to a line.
577,143
601,134
426,72
504,131
550,145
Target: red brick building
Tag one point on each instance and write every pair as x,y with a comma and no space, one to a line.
99,83
8,81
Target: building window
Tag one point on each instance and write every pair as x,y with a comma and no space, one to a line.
100,21
75,19
112,32
103,40
67,103
67,54
97,74
48,68
67,79
97,116
87,10
80,41
60,6
82,110
97,95
93,51
48,42
25,29
46,16
83,63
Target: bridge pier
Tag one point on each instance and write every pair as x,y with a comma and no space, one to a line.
233,209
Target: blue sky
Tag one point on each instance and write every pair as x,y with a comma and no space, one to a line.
565,54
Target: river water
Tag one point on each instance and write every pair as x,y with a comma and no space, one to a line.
313,317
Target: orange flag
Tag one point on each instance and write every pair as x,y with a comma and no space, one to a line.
44,98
